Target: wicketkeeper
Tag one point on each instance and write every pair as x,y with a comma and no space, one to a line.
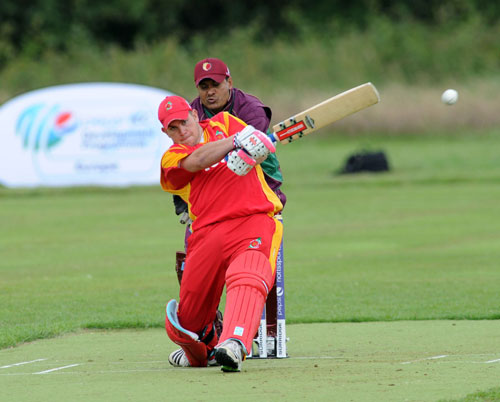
215,166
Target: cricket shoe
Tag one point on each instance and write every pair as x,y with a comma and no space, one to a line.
178,358
229,354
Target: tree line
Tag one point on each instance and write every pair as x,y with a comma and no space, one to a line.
33,27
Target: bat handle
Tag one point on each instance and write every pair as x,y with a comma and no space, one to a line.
273,137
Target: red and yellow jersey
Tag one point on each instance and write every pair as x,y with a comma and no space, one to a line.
216,193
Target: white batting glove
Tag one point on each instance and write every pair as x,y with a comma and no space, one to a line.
240,162
185,219
255,142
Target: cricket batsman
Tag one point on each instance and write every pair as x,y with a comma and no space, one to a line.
216,93
214,165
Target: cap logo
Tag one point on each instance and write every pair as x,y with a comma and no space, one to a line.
168,105
207,66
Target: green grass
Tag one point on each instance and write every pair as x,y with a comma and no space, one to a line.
380,361
483,396
420,242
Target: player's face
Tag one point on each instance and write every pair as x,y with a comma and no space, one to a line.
214,96
186,132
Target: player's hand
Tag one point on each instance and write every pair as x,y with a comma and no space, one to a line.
240,162
184,219
254,142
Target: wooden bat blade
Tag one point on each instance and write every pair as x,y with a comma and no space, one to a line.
326,112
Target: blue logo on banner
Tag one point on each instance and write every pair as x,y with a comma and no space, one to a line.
40,127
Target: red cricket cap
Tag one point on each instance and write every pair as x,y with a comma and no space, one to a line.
211,68
173,108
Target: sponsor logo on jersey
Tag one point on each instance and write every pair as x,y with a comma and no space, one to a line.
255,243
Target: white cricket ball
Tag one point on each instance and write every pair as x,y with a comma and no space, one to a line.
449,97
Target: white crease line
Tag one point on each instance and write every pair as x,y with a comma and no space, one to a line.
76,372
493,361
20,364
307,357
130,362
57,368
427,358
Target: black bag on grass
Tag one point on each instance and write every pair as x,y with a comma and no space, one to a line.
366,161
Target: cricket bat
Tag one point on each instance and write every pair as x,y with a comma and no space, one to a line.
326,112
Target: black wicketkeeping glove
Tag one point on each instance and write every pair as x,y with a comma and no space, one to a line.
180,205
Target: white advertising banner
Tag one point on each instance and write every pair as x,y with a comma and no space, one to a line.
103,134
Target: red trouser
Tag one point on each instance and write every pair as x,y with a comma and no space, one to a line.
210,251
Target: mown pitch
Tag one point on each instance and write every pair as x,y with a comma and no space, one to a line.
396,361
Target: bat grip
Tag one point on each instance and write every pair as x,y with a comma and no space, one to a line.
272,137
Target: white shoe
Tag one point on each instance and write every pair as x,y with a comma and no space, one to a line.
178,358
229,354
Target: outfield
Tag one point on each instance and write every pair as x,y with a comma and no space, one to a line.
419,245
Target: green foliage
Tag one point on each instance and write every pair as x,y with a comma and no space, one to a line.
383,52
57,25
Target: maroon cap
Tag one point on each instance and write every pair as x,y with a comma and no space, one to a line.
173,108
210,68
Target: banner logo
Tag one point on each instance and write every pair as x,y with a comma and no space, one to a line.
104,134
42,127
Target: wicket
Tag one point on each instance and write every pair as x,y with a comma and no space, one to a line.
271,337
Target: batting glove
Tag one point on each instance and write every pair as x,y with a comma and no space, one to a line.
255,142
240,162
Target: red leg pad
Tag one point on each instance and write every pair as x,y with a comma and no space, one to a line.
196,351
248,280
